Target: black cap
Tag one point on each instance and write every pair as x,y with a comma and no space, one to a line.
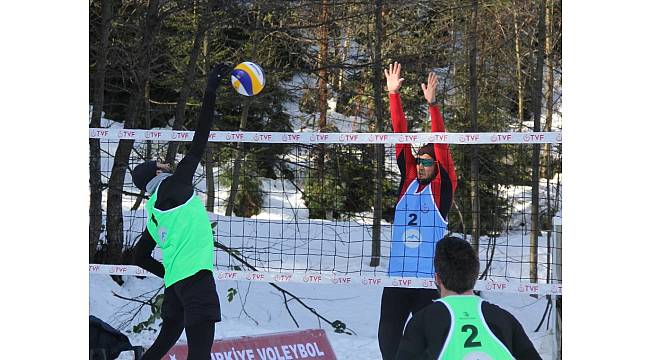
427,149
143,173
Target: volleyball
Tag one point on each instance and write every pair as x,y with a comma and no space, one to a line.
248,78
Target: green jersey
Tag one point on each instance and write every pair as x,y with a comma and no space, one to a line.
469,337
184,235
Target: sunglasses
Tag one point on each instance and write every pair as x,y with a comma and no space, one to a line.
424,162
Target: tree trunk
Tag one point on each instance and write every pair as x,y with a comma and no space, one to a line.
234,185
521,154
344,58
322,100
546,155
188,80
322,65
518,75
95,210
114,221
473,114
548,170
147,125
537,95
211,148
379,148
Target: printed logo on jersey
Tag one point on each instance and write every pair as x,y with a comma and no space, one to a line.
411,238
162,235
466,316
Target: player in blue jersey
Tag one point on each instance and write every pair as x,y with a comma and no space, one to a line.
427,186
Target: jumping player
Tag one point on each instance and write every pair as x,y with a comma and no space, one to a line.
427,187
178,223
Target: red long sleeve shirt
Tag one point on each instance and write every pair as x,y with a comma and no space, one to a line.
443,185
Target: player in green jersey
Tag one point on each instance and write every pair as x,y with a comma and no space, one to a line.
461,326
178,224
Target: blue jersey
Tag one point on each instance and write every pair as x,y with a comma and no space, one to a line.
417,226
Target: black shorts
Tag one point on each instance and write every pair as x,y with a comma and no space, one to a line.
192,300
401,302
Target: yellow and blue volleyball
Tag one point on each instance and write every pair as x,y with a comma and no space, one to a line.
248,78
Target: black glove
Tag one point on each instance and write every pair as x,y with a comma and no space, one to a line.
219,75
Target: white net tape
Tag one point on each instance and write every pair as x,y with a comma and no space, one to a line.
344,280
332,138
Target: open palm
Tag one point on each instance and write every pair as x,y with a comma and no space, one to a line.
393,81
429,89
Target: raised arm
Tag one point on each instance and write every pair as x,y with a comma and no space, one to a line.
187,167
405,158
446,186
443,155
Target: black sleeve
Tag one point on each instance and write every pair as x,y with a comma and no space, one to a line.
509,331
425,333
446,193
178,188
413,343
142,255
187,167
522,347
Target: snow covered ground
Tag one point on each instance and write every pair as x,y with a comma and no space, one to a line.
259,309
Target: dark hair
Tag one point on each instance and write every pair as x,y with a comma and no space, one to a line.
427,149
456,263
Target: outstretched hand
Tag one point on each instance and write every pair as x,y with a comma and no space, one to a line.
393,81
429,89
218,76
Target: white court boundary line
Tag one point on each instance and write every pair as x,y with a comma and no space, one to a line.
500,286
332,138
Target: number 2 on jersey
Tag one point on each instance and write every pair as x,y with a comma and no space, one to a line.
470,343
414,220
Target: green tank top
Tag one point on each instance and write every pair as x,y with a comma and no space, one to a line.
469,337
184,235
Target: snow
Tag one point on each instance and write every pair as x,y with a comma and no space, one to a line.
265,312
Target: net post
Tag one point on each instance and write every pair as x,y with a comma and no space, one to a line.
557,274
377,211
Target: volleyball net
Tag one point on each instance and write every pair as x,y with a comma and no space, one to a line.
302,206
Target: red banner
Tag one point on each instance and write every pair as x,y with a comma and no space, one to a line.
307,344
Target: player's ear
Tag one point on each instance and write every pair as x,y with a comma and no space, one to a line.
436,279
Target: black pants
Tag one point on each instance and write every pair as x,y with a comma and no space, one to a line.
191,304
396,306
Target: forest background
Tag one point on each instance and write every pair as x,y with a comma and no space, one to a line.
499,65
